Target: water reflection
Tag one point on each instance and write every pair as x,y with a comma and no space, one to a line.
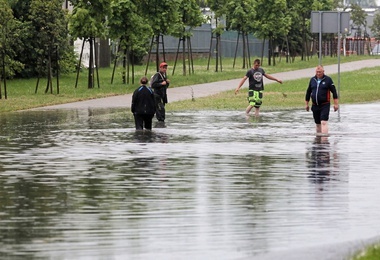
150,137
83,184
319,160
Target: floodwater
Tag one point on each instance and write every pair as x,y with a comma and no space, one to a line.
82,184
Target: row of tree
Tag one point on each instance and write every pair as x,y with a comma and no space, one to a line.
36,34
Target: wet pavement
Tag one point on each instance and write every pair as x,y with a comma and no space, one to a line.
82,184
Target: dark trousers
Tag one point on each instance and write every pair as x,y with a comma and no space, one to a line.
160,108
142,121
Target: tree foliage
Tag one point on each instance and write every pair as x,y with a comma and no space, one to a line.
9,41
375,28
89,18
189,16
20,9
358,17
240,15
37,23
299,34
273,21
49,31
161,15
129,27
218,7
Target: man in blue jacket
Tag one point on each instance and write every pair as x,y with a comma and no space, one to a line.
319,90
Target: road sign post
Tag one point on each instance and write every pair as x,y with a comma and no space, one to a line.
330,22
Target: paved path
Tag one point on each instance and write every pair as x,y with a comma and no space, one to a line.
207,89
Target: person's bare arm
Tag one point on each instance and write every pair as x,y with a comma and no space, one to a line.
240,84
272,78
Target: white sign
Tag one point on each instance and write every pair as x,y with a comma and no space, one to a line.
78,43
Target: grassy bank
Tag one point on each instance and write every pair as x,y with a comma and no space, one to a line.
371,253
355,87
21,92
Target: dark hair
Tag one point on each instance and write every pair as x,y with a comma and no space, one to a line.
144,80
257,61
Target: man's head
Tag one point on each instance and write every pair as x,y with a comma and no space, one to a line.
319,71
256,64
163,66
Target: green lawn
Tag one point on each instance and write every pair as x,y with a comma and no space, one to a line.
355,87
21,92
371,253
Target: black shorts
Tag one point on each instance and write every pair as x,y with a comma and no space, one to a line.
321,112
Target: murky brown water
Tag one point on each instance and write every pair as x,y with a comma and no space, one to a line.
210,185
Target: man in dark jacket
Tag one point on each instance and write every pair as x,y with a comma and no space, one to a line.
143,105
160,83
319,90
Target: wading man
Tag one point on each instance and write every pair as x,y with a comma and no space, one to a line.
256,86
160,83
319,90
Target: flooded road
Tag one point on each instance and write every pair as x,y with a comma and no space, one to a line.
82,184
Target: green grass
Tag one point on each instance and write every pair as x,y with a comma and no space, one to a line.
355,87
21,92
371,253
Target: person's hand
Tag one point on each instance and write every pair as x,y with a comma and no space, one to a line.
336,107
279,81
163,83
307,108
236,91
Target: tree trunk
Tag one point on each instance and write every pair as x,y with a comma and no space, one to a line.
91,65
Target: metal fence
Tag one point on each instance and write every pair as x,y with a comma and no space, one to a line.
202,41
202,44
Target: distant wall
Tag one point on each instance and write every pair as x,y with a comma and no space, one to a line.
201,41
200,46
